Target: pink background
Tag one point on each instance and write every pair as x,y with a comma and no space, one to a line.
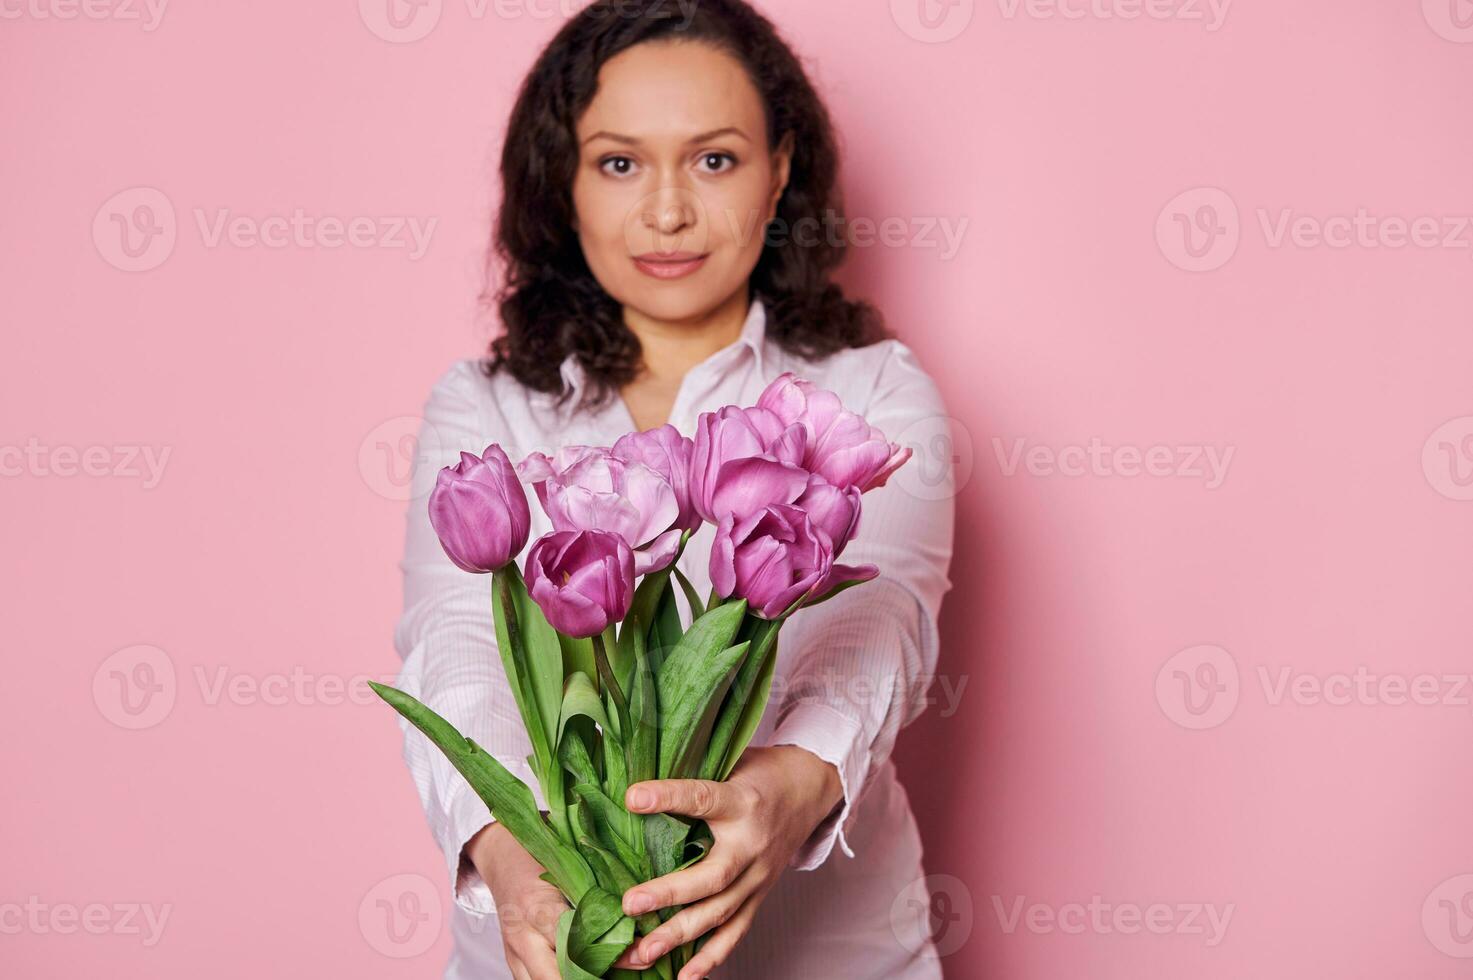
270,818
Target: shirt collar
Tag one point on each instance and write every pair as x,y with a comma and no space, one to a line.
754,333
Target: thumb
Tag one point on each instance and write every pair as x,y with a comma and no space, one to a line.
703,798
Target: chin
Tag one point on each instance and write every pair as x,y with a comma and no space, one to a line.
676,300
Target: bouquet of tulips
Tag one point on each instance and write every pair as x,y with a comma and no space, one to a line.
612,687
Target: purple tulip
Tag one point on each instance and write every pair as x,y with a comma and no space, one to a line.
840,446
479,510
582,580
832,510
774,557
668,453
589,488
744,460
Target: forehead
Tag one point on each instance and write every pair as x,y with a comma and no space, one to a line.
671,90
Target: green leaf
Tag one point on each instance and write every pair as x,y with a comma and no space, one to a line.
613,825
580,698
664,838
611,687
690,685
506,582
616,778
642,747
573,751
697,610
647,598
665,628
567,969
742,712
598,920
510,802
577,654
545,655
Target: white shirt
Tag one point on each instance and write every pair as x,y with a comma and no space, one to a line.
850,672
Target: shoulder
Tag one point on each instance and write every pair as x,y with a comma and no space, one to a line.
880,377
494,407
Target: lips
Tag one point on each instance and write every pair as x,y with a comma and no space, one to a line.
669,265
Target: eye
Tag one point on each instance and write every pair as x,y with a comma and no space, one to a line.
715,158
622,166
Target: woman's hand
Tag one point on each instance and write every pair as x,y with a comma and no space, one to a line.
759,817
527,907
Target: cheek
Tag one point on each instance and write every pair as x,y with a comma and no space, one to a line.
601,208
738,211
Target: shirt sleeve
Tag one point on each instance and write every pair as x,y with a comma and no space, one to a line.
860,664
447,638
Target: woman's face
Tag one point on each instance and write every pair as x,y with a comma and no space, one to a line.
675,180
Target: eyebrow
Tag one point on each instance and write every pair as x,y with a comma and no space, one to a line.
698,138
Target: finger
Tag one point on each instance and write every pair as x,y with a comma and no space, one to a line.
539,957
708,876
702,798
696,920
716,949
544,918
518,971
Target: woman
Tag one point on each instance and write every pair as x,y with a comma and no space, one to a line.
667,230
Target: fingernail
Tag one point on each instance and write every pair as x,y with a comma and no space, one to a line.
641,798
655,951
639,904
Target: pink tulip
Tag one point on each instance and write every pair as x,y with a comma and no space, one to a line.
582,580
668,453
840,446
588,488
479,510
774,557
834,511
744,460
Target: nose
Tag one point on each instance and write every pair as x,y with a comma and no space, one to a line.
668,212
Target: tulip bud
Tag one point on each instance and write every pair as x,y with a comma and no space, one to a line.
582,580
479,510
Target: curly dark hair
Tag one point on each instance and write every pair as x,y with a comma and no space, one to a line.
549,302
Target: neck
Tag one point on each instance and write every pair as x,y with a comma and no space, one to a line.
672,347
